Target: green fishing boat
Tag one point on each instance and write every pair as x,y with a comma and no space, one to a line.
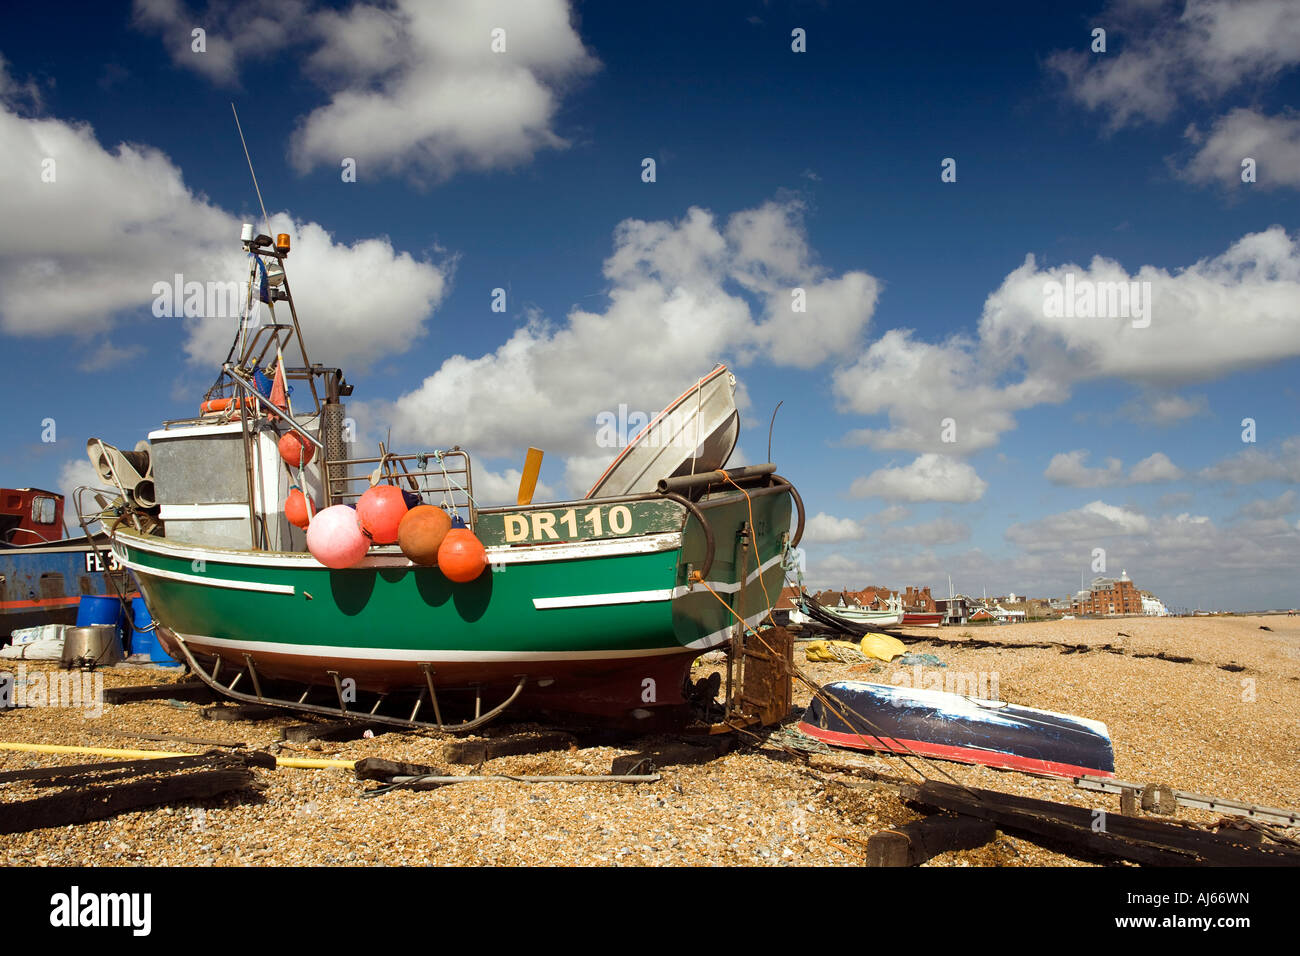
595,607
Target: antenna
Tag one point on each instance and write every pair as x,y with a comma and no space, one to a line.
771,426
266,220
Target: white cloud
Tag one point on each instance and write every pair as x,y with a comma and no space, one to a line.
113,223
1094,522
1273,142
1256,464
1155,467
420,88
236,32
824,528
413,87
502,488
1278,507
72,474
680,300
1069,469
1158,57
1237,310
1156,408
930,477
18,95
927,534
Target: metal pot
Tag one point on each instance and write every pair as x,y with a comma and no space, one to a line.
95,645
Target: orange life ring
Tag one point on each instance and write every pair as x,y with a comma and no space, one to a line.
216,405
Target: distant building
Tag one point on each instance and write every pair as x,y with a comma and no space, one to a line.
1109,596
955,610
1154,607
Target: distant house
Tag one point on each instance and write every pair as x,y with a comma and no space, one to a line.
785,604
980,614
955,610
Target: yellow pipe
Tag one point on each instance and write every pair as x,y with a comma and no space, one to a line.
302,763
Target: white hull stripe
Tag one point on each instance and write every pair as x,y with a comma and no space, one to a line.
643,597
207,580
596,600
568,551
394,654
721,636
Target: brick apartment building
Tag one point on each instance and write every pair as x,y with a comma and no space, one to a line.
1108,596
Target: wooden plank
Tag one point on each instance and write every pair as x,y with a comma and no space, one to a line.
377,768
477,751
1145,841
243,712
83,804
173,738
186,690
333,730
62,776
913,843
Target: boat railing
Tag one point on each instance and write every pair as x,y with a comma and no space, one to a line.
437,477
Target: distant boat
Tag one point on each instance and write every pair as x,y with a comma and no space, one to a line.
43,575
922,619
933,723
862,615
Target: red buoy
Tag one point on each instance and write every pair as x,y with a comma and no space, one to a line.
295,451
461,557
420,533
379,512
296,510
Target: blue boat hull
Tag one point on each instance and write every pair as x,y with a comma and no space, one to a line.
932,723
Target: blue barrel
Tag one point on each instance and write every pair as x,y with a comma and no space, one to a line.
104,609
144,639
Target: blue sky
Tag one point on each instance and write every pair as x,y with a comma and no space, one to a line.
775,169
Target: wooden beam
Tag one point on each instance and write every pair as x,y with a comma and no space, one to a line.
377,768
75,773
1147,841
186,690
913,843
478,751
83,804
333,730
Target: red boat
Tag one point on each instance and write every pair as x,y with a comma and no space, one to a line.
922,618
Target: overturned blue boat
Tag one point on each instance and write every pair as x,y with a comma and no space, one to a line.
933,723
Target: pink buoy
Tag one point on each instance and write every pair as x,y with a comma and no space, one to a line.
334,539
380,512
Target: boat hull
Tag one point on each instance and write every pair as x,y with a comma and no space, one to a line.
965,729
607,626
921,619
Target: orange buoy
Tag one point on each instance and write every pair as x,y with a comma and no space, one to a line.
296,508
294,450
420,533
461,556
379,512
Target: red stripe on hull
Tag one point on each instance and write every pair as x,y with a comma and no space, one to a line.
987,758
42,602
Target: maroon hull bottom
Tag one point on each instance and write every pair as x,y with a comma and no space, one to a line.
645,692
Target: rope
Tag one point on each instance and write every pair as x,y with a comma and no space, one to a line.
452,481
797,672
